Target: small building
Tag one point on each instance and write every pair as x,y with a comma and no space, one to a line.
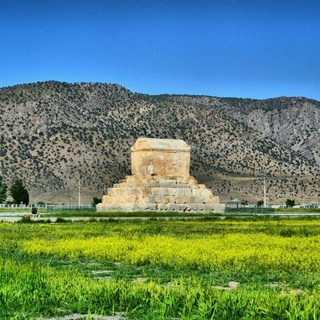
236,203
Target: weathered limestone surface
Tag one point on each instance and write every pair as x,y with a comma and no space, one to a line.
160,181
165,158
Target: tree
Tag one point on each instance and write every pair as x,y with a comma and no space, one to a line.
290,203
3,191
19,193
260,203
96,200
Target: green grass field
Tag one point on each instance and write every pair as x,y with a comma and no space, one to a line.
215,269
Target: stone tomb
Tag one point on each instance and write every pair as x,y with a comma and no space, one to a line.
160,181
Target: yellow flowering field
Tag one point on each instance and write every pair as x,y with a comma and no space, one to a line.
229,251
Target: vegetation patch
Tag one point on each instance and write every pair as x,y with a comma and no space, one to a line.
217,269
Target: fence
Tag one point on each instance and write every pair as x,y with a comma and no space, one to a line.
249,210
84,207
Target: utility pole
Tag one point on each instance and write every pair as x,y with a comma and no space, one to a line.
79,192
264,193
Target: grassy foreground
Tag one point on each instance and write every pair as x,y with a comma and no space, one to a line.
262,269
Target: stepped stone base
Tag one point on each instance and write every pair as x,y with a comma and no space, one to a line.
169,195
160,181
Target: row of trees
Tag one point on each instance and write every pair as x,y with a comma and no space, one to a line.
290,203
17,191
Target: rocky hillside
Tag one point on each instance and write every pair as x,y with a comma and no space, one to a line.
54,134
291,122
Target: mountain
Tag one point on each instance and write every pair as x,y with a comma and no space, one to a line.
291,122
57,136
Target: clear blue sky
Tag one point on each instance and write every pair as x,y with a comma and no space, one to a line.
250,48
